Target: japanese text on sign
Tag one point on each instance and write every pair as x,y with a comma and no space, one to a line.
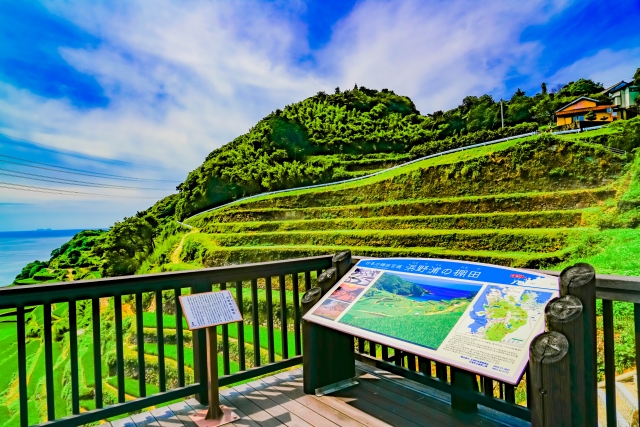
209,309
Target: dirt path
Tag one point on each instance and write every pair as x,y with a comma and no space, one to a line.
70,274
175,256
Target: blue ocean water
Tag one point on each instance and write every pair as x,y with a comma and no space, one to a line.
18,248
438,293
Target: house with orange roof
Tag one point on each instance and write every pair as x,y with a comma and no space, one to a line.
572,115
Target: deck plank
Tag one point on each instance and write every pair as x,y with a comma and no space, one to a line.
338,404
381,399
123,422
438,400
253,411
182,410
165,418
413,402
244,420
296,408
381,408
295,393
270,406
192,406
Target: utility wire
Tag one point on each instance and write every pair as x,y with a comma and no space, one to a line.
74,171
26,175
21,187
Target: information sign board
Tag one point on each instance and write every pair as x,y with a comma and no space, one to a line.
477,317
209,309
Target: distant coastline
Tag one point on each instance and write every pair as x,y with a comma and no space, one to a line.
18,248
39,233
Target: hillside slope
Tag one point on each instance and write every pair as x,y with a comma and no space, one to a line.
528,202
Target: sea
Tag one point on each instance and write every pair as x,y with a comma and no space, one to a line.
18,248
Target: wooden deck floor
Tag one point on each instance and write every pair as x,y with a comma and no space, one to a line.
380,399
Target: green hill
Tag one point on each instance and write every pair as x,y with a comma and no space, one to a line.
540,201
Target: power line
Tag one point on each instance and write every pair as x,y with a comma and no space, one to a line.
26,175
30,188
75,171
63,152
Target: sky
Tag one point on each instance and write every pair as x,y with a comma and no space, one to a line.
105,106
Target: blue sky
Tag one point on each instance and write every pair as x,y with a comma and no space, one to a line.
145,90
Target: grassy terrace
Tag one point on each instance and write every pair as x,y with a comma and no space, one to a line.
500,203
528,240
500,220
440,160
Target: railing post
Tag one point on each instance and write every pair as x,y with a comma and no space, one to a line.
341,262
199,339
563,361
579,281
309,299
551,389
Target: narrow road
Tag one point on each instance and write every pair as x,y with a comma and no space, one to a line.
175,256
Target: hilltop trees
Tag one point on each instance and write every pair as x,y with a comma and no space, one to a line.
281,151
127,244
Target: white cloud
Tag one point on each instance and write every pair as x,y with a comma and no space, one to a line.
185,77
436,52
607,66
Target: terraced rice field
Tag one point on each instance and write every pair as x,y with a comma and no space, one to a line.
9,405
476,205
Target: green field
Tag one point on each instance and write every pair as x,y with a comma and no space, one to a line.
424,323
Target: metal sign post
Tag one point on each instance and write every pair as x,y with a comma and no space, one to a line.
208,310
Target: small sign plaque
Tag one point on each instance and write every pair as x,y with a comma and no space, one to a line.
209,309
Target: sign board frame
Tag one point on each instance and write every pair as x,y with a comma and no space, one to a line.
215,415
186,310
488,280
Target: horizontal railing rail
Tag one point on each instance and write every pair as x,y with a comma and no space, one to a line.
268,294
92,332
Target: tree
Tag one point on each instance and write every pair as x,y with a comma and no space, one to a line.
543,88
581,87
128,242
543,110
590,116
636,78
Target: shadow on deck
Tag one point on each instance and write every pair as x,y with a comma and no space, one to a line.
380,399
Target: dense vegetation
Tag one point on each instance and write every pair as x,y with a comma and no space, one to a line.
534,202
281,150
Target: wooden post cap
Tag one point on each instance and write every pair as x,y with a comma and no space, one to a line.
312,295
563,309
548,347
341,256
577,275
310,298
327,279
341,262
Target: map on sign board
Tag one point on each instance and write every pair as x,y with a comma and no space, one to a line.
209,309
478,317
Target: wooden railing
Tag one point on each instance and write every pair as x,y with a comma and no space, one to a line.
93,295
88,298
501,396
